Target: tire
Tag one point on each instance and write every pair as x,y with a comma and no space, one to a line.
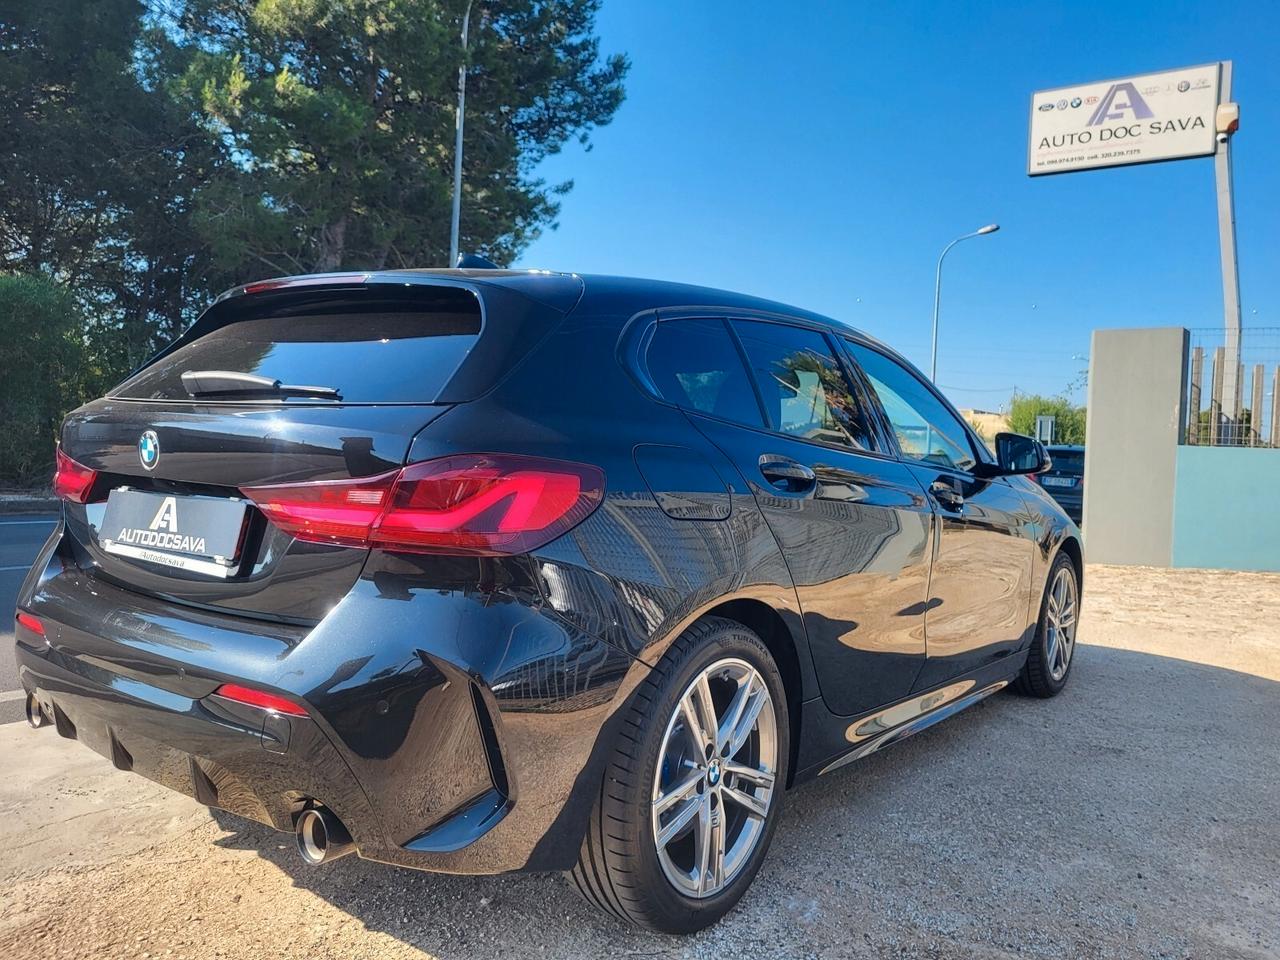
646,785
1045,672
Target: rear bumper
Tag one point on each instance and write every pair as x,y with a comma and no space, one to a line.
449,729
206,748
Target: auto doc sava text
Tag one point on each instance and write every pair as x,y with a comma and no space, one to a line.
1121,132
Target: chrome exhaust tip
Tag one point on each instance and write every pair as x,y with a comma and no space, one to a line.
321,836
35,715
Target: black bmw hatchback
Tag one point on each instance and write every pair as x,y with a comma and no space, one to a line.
480,571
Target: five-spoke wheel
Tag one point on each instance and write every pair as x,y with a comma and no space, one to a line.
694,783
1049,659
1062,610
715,777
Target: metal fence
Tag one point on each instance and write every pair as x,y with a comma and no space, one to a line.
1239,410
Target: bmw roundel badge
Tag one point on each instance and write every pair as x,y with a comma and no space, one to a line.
149,449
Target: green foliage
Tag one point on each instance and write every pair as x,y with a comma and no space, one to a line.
46,373
339,116
159,151
1068,427
101,169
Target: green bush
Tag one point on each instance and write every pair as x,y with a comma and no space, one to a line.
1068,427
45,371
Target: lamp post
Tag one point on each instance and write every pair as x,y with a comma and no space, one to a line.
457,142
937,292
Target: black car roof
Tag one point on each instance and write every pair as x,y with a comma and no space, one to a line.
591,293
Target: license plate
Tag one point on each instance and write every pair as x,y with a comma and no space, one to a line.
195,534
1059,481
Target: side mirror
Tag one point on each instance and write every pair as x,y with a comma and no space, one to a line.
1017,455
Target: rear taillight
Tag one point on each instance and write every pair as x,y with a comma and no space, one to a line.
30,621
72,481
260,699
328,511
476,504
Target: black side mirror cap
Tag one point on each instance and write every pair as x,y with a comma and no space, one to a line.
1017,455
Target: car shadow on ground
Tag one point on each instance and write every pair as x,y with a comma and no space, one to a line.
1114,820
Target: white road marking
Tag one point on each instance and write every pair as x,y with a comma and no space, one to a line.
12,695
21,566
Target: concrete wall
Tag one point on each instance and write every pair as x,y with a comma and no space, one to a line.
1225,508
1137,386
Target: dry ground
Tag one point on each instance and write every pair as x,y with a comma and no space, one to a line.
1136,815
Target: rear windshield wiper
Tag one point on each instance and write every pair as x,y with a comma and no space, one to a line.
229,383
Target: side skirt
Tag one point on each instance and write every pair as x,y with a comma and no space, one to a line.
832,741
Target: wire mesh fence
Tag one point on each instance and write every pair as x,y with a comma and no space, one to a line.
1233,404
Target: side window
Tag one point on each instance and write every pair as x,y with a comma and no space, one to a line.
926,429
805,392
695,365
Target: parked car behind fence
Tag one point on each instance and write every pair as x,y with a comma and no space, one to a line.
1064,481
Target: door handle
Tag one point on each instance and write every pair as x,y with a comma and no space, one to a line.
787,475
947,495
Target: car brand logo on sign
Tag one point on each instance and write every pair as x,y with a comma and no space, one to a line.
1160,116
149,449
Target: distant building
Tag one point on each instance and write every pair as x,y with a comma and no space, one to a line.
987,424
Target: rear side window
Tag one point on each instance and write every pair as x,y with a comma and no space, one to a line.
371,349
805,392
695,365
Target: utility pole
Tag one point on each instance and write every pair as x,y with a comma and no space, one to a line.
1227,244
457,142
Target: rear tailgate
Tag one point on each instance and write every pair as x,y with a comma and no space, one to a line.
211,453
166,516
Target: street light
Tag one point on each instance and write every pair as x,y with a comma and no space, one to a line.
457,142
937,292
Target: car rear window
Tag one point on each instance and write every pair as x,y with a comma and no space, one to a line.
1068,461
380,349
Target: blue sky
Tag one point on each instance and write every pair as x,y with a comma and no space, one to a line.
822,154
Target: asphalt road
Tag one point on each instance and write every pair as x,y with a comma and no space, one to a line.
21,537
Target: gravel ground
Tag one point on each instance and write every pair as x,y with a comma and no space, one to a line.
1133,816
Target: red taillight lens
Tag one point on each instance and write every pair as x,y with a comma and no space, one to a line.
72,481
487,504
260,699
29,621
328,511
477,504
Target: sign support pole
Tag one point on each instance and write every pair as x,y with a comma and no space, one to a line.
1230,276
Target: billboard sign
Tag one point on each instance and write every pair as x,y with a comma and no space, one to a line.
1157,116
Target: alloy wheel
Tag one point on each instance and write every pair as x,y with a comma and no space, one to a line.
715,779
1061,616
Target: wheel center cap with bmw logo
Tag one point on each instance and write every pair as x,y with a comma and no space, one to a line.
149,449
713,773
